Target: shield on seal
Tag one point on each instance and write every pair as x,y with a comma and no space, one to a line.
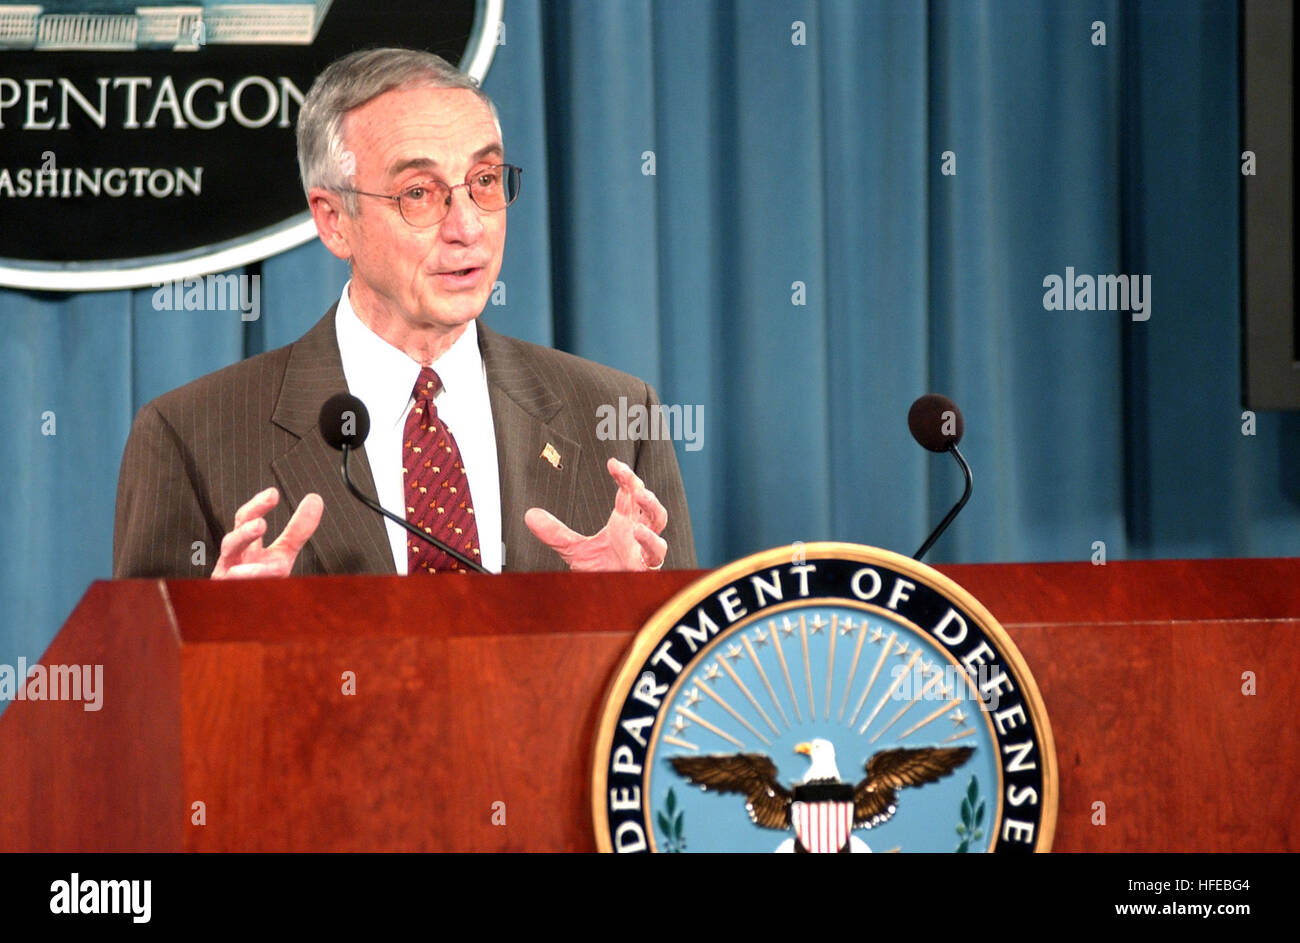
822,816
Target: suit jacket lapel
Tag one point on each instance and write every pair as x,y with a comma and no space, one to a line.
522,407
351,538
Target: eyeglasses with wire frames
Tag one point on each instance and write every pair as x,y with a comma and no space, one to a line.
492,187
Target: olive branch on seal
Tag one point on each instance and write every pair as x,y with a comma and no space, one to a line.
972,817
671,824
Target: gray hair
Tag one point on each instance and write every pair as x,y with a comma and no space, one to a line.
349,83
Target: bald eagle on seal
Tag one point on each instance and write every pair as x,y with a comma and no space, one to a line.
821,808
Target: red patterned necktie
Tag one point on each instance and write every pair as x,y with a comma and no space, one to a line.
435,485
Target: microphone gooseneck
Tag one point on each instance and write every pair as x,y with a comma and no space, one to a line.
937,425
345,423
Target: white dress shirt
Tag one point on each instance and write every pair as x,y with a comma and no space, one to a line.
383,378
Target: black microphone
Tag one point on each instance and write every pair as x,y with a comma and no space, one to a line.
937,424
344,424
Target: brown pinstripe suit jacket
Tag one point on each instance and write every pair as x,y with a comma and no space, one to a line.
196,454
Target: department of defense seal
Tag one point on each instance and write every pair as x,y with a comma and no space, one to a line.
824,698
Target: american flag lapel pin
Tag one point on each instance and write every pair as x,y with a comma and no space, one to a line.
552,455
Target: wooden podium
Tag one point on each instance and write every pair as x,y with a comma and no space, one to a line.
225,703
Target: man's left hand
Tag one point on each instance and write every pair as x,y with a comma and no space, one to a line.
629,540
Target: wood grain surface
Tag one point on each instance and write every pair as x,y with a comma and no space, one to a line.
487,690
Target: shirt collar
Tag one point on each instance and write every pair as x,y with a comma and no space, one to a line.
382,376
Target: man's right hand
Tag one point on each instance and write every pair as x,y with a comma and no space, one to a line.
242,553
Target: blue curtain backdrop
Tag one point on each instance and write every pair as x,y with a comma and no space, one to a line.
777,163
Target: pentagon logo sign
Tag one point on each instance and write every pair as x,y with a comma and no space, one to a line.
146,141
835,699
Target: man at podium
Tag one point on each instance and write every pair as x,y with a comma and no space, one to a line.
487,443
